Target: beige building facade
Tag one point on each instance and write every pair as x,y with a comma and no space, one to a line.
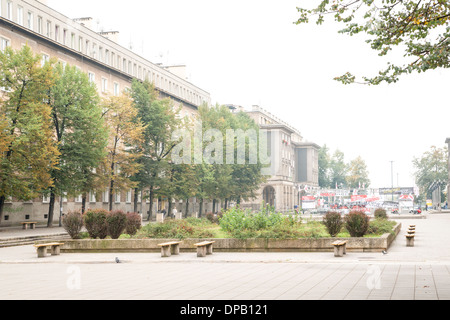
293,164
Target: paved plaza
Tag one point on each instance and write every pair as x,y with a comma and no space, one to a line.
404,273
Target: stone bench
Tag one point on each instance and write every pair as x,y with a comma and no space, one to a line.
32,225
204,248
340,248
42,249
169,248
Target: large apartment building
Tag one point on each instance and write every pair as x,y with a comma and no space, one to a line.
109,65
294,163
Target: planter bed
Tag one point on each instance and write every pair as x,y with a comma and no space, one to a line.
375,244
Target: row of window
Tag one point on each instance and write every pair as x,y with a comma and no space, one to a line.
76,42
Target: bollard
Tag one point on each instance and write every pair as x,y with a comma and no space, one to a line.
410,240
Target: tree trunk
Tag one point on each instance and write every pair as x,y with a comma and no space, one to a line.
150,209
135,200
83,203
226,204
169,209
200,209
187,208
51,209
214,206
2,204
111,194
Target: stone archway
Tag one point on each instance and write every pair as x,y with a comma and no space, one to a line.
269,196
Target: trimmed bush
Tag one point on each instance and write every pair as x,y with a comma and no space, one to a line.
73,223
380,213
116,221
95,223
333,222
133,223
357,223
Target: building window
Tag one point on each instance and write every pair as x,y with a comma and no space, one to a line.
20,15
4,43
72,41
104,85
39,25
94,51
80,44
9,10
91,77
57,33
30,20
49,28
92,197
45,59
116,89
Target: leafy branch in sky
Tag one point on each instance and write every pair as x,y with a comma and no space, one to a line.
420,28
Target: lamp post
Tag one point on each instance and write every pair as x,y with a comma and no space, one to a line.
392,180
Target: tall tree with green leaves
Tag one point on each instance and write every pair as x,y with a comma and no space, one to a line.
324,167
419,29
339,170
79,131
430,167
160,119
358,175
29,152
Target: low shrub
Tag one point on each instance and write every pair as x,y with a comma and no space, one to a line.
380,213
116,221
176,229
381,226
357,223
95,223
73,223
133,223
333,222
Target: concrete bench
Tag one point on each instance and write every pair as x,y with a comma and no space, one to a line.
204,248
410,240
340,248
32,225
42,249
169,248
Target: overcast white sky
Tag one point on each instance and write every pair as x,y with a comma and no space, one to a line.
249,52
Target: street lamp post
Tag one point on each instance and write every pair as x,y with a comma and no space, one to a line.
392,180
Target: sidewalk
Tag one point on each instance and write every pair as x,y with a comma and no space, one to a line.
419,272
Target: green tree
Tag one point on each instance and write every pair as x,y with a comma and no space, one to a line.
160,119
29,152
430,167
357,173
79,131
418,28
324,167
338,170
